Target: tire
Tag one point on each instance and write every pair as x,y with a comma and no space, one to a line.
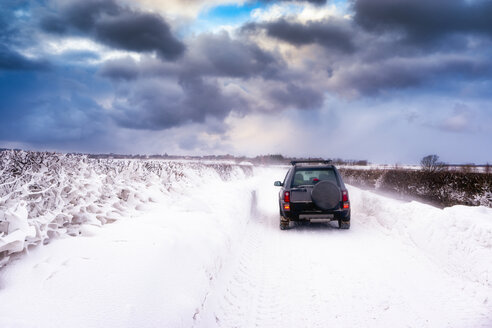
343,224
284,224
326,195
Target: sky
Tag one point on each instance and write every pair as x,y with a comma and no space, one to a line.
385,81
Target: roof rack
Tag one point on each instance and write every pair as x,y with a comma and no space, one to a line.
311,161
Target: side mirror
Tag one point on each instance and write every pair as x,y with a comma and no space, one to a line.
278,184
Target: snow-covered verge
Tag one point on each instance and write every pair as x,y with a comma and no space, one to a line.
153,268
45,195
459,238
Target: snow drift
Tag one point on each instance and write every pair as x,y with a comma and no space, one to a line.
459,238
44,195
152,267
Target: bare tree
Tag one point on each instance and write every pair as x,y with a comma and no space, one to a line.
431,163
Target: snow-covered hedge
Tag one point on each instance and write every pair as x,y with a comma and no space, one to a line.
446,188
43,195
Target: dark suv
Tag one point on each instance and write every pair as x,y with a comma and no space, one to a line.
313,191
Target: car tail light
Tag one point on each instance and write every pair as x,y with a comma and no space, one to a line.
287,207
286,196
345,199
345,196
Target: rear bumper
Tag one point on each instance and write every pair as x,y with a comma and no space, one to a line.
307,211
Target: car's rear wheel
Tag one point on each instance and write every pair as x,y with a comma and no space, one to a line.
284,224
343,224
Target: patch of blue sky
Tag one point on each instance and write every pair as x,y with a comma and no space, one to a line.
231,12
339,2
342,5
224,15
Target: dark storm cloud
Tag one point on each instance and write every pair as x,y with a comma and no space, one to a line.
161,95
234,58
333,34
382,50
120,69
153,105
116,26
423,20
200,93
212,55
205,98
404,73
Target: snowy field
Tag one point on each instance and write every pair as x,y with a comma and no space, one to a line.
199,246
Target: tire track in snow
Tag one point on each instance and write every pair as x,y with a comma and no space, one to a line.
272,285
247,301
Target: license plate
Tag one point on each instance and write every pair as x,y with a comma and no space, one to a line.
316,217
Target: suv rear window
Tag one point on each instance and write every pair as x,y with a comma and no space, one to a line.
310,176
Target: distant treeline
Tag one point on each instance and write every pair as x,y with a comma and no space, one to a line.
276,159
260,159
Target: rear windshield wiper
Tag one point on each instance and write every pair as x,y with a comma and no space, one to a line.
300,188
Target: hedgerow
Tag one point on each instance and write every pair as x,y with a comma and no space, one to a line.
444,188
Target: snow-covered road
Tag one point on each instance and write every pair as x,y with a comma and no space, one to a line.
193,261
319,276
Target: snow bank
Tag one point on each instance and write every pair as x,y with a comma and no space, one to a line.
176,224
153,270
459,238
45,195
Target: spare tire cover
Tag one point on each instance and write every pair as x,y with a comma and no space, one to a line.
326,195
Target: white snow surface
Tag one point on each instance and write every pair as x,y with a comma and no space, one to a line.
207,252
